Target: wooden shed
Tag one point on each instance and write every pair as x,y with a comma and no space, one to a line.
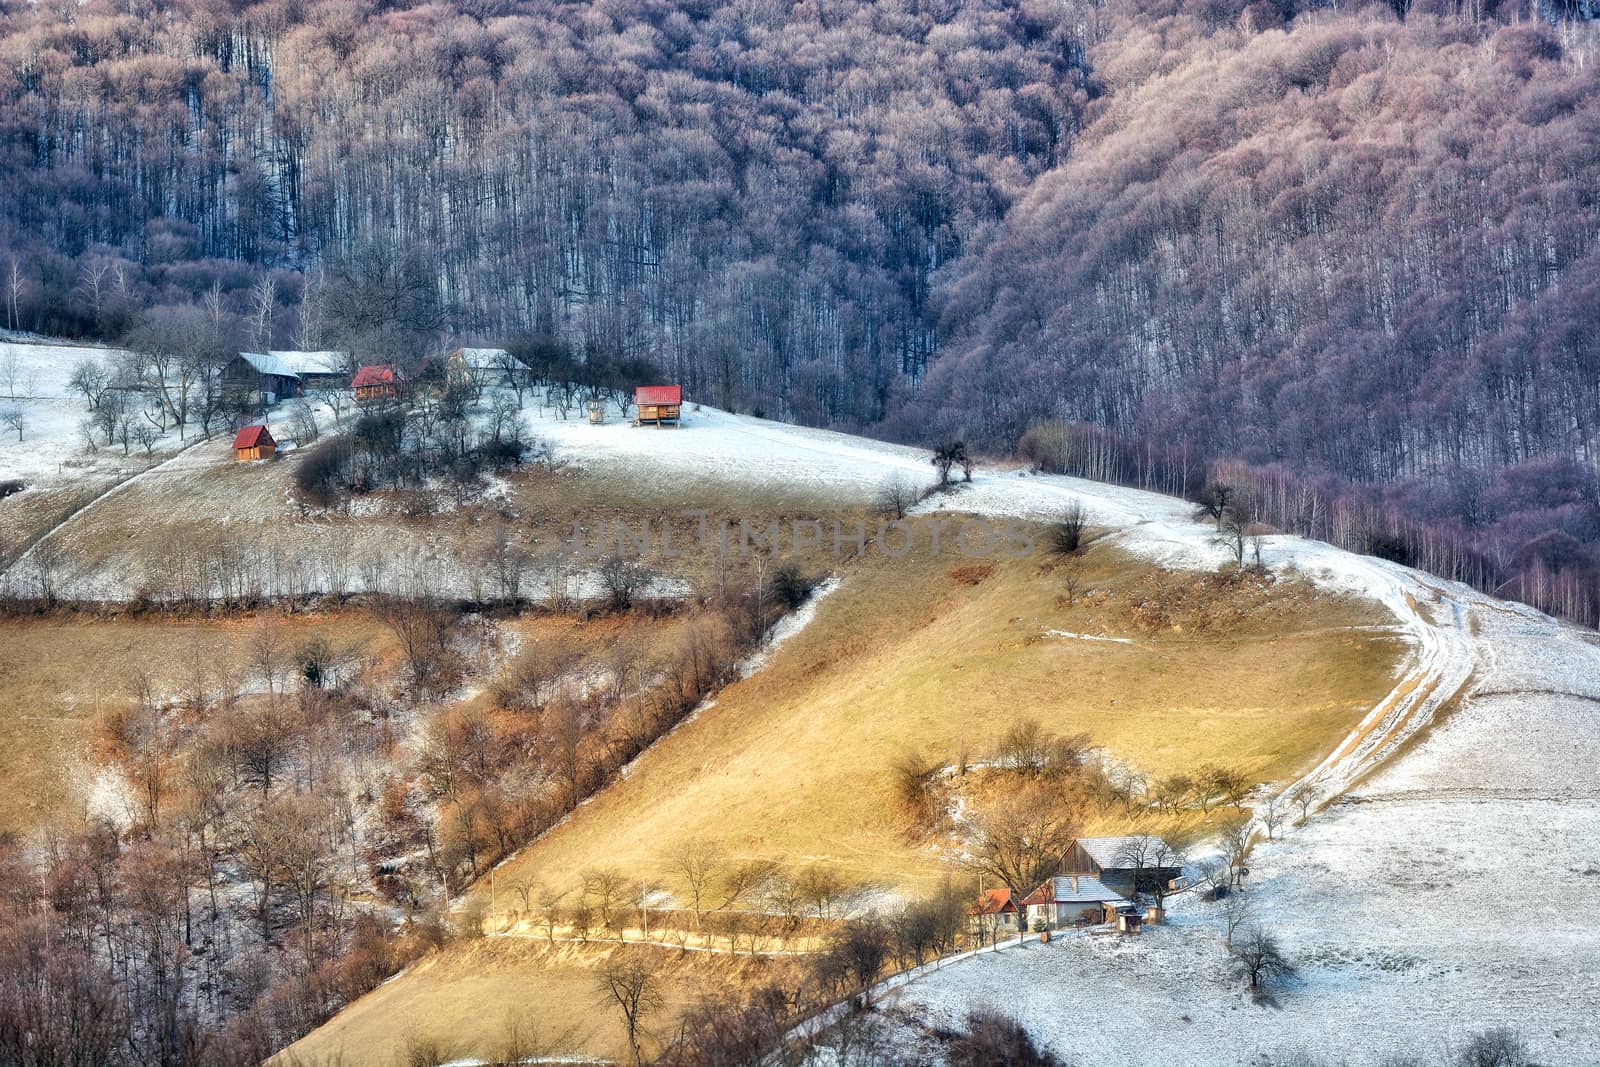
254,442
376,381
259,378
658,405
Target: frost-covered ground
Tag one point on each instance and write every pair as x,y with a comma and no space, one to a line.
1454,890
51,447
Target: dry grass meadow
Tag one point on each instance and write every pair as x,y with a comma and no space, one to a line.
463,1002
940,656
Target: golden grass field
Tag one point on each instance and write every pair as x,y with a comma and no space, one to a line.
940,656
463,1001
794,762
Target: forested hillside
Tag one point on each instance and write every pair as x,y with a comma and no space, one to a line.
756,196
1361,250
1353,246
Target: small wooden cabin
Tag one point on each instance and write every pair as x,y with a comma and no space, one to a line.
658,405
254,442
376,381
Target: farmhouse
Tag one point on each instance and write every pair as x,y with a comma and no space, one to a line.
376,381
994,912
254,442
261,377
1073,898
1137,863
657,405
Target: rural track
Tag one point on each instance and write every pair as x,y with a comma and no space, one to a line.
1443,660
95,501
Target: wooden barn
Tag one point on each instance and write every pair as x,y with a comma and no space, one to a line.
260,377
479,367
316,370
658,405
1133,864
254,442
377,381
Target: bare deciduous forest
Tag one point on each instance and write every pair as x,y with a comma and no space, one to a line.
1354,245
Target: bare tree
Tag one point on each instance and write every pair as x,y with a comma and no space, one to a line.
308,324
633,984
263,299
146,437
304,422
424,625
1272,813
744,880
1500,1047
623,580
1021,840
1303,800
14,296
13,419
18,379
950,454
1258,959
1237,909
1215,501
90,377
1231,535
1150,856
549,901
1066,537
269,653
1238,841
897,496
698,862
606,888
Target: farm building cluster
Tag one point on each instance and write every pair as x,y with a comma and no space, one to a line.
1102,880
260,380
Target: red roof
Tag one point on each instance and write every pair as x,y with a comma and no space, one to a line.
658,394
253,437
375,374
994,902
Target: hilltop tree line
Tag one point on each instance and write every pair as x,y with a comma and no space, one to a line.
1348,249
756,197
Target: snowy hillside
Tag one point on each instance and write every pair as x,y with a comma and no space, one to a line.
1447,886
34,384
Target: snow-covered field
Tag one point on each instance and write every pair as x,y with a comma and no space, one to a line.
51,446
1454,890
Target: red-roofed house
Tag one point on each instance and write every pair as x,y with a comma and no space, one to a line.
994,913
658,404
376,381
254,442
